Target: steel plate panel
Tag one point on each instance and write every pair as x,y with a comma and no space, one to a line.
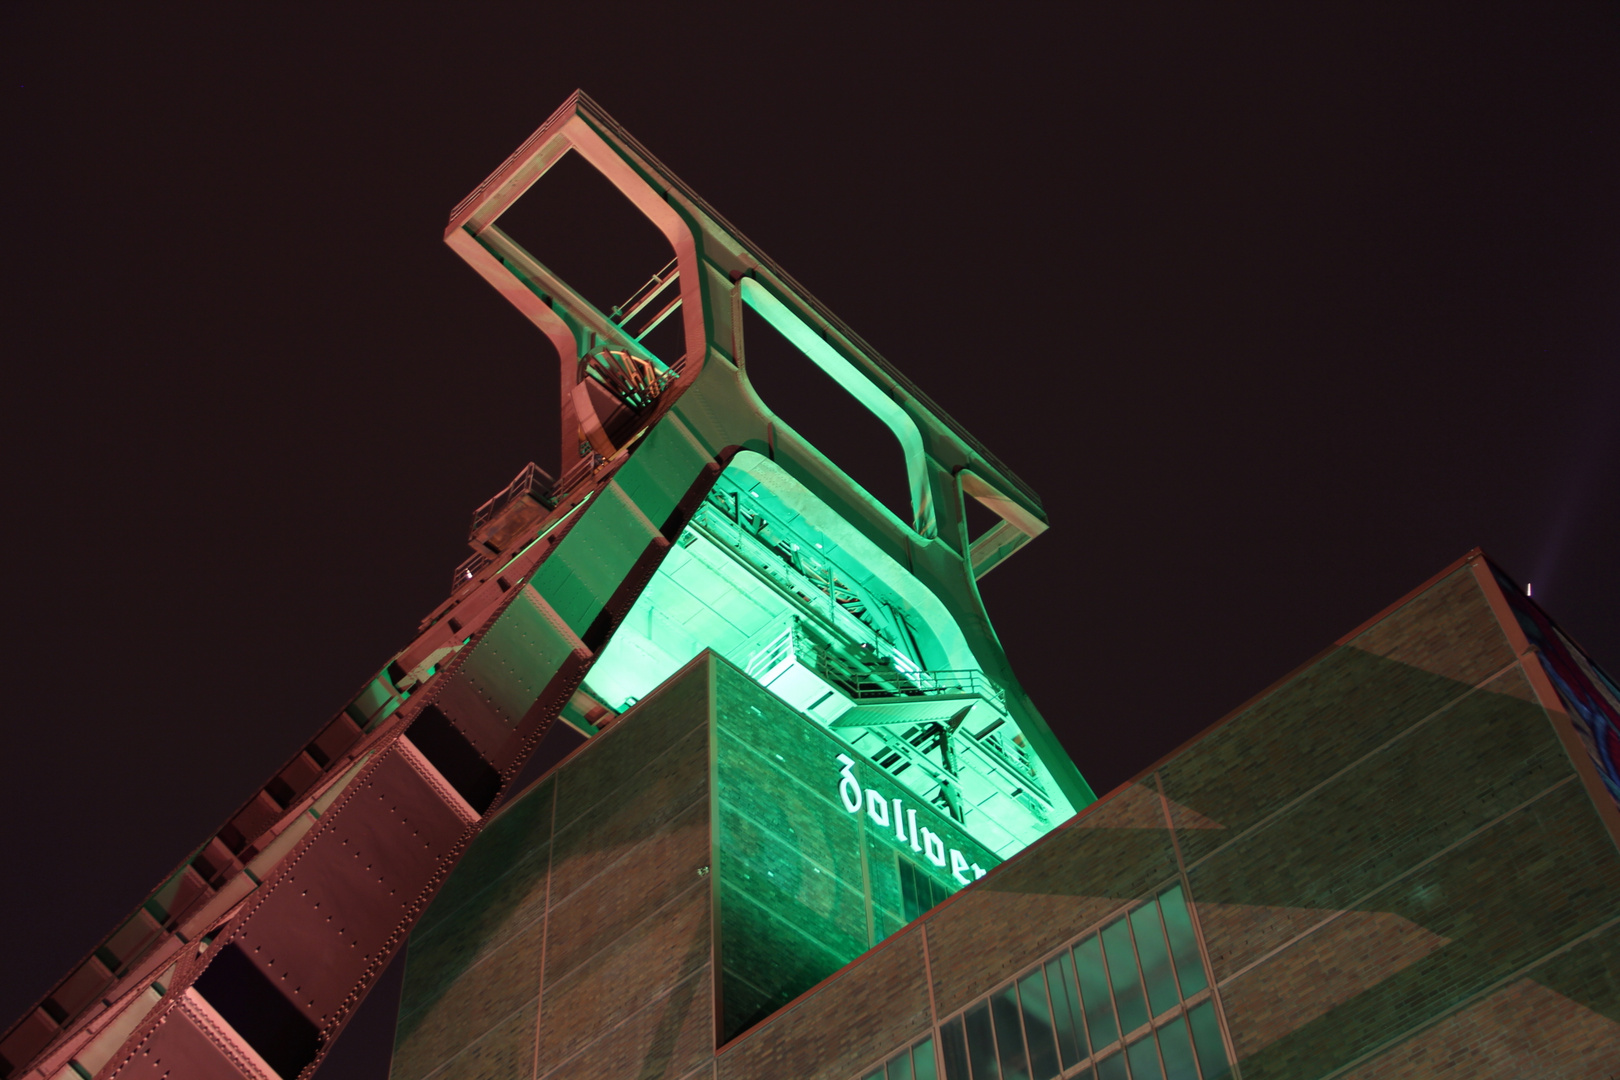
484,725
516,657
177,1047
329,920
591,561
661,472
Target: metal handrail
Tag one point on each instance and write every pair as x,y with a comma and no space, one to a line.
923,684
771,655
646,295
886,682
531,480
575,473
468,570
867,686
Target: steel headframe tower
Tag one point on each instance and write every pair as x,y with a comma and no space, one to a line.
250,958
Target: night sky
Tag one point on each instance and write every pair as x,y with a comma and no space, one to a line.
1280,317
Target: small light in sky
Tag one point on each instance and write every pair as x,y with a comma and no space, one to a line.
1529,589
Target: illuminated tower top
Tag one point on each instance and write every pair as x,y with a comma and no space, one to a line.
690,528
867,619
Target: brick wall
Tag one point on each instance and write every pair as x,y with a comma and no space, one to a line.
1394,865
574,940
805,886
1396,869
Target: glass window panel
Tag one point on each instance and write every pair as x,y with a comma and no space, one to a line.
1009,1035
1122,973
1043,1057
1083,1074
1113,1068
1094,993
953,1047
1071,1033
1183,942
981,1044
1155,957
1176,1050
1144,1060
922,1061
1206,1031
899,1067
874,1076
908,891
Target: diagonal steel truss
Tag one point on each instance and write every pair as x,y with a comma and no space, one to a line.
249,959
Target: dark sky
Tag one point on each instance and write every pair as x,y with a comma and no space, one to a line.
1279,313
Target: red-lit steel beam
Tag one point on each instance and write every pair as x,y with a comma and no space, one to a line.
250,958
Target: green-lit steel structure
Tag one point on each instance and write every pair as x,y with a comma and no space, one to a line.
689,520
783,565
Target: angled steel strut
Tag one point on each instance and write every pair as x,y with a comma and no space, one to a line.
250,958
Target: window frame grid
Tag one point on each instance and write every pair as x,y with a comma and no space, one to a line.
1120,1045
1108,977
1169,949
1082,1030
1108,965
1023,1021
1051,1011
920,880
995,1043
1175,964
1169,957
1125,1040
880,1069
1018,1007
995,1040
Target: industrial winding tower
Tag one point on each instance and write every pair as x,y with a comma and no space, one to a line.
798,748
690,526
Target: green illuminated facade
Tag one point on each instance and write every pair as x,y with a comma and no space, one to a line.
769,578
710,828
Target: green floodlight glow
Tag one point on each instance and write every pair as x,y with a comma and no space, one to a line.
779,584
863,389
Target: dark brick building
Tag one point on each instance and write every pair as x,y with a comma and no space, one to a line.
1399,861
